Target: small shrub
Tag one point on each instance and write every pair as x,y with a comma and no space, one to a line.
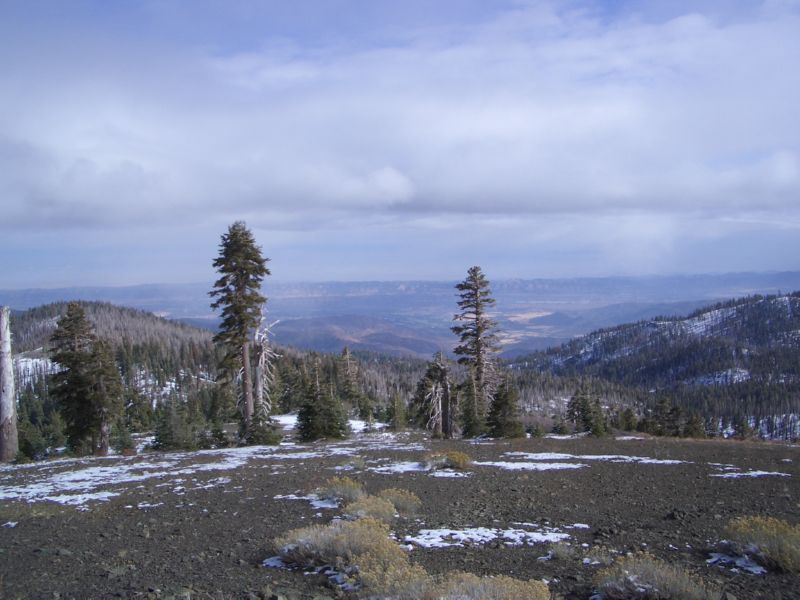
360,549
599,555
341,488
466,586
772,542
452,459
355,462
562,551
405,503
371,507
642,576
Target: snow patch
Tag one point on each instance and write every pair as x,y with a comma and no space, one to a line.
740,563
740,474
530,466
446,538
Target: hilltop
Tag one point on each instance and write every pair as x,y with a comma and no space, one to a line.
740,357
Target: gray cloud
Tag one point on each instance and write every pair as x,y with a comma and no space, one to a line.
546,110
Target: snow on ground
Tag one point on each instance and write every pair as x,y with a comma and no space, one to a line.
446,538
740,563
316,501
616,458
78,482
739,474
530,466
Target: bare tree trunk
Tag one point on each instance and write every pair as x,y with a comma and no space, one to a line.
247,390
9,443
104,439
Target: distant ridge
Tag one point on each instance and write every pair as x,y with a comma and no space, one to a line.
413,317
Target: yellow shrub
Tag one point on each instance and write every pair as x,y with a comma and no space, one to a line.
642,576
452,459
341,488
405,503
466,586
772,542
344,545
371,506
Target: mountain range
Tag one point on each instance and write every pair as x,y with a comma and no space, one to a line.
413,317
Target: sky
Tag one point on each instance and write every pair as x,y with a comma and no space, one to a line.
386,140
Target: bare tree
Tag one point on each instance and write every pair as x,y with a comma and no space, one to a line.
434,403
264,371
9,443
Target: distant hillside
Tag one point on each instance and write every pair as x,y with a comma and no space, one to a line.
740,357
413,317
32,328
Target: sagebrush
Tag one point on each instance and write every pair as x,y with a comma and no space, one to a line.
405,503
644,577
372,507
452,459
341,488
772,542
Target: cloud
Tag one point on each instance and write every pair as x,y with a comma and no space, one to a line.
638,119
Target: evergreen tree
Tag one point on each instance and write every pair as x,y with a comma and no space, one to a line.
695,428
477,334
397,414
88,387
352,395
242,268
503,420
471,424
105,396
628,420
322,414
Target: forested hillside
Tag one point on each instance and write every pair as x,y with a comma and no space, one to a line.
733,360
168,366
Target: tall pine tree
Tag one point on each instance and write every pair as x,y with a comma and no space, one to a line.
477,334
237,292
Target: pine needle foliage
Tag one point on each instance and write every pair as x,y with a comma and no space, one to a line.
477,334
237,293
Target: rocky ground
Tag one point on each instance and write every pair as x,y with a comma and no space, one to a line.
200,525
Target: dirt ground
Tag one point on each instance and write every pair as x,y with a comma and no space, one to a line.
200,525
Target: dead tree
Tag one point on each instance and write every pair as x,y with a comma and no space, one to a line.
434,403
9,442
264,372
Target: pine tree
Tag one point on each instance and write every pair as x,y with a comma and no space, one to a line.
503,419
242,268
471,424
695,427
397,414
322,414
352,394
88,387
477,335
105,396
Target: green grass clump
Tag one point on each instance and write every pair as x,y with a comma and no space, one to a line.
341,488
644,577
772,542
